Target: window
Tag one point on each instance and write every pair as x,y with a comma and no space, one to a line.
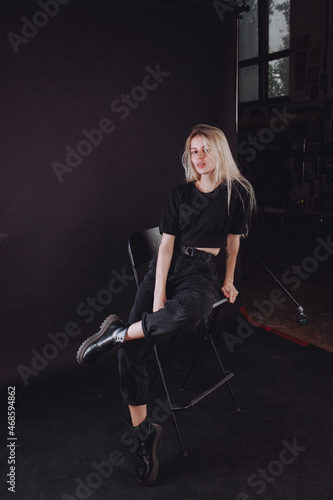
264,50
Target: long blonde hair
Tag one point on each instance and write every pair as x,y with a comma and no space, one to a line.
226,168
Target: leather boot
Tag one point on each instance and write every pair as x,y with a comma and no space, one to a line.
111,334
147,464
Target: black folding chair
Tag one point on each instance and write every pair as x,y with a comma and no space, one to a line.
142,247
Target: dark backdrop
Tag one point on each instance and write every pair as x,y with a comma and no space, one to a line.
64,235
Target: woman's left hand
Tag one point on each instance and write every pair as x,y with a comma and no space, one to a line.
229,291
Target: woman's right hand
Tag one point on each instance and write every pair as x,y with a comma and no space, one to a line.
159,301
165,253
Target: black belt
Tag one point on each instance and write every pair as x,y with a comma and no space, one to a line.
198,254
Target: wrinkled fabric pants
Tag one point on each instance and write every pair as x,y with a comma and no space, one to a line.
192,288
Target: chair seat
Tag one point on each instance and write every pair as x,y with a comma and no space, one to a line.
220,301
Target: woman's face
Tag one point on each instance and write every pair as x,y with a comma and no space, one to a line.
202,156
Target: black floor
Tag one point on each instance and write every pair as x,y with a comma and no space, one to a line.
72,436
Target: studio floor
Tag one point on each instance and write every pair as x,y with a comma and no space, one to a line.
72,431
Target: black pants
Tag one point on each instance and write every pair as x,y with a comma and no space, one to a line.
192,289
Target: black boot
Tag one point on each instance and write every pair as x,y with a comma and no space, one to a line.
147,465
111,334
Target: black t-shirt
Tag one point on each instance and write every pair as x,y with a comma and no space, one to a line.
202,219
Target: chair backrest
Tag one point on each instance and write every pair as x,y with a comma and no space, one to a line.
142,247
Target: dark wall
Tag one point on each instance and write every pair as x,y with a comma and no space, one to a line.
64,228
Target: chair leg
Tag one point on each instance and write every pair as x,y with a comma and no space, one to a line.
212,343
196,359
198,356
180,439
162,359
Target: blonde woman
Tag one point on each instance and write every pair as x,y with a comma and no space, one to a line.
209,212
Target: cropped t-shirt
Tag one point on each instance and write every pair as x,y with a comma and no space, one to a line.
203,220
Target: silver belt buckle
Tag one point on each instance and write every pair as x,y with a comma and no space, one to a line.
189,251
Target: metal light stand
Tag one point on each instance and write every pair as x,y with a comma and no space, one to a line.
302,205
301,316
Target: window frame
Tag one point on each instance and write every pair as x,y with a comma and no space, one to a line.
263,58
